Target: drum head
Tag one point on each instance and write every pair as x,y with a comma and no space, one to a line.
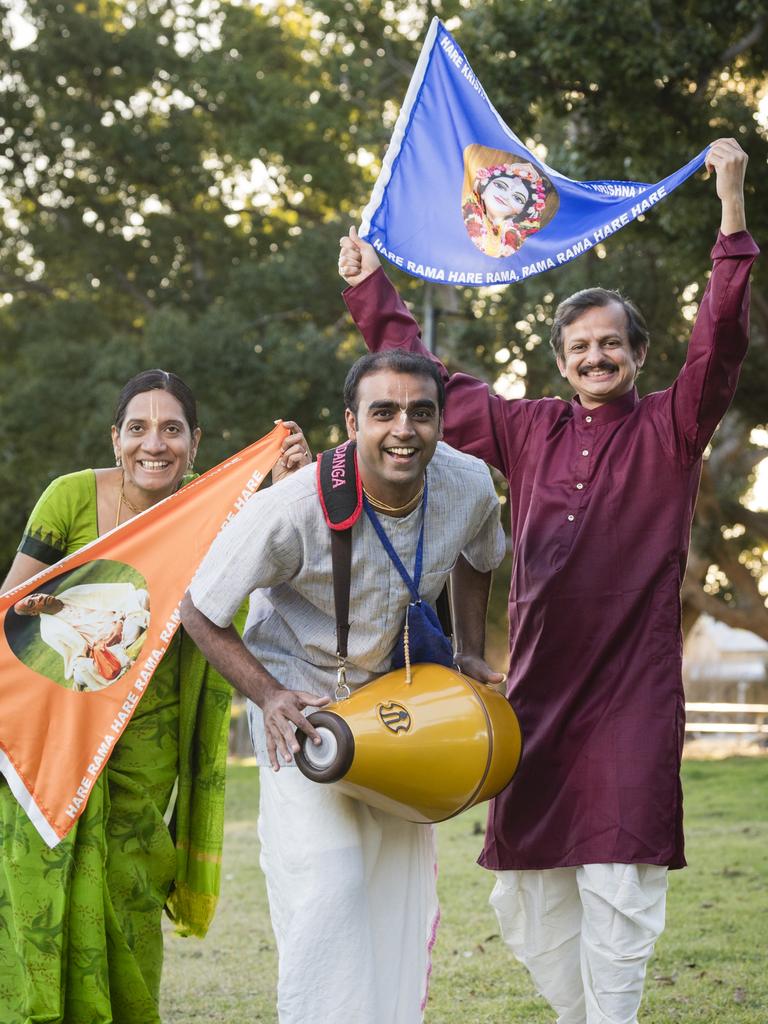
331,759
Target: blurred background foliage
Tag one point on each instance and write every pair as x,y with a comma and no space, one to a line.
174,177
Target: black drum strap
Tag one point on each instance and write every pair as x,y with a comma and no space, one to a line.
341,496
341,556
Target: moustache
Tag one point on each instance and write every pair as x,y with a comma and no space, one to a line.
604,365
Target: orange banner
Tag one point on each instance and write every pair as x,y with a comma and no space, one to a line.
73,672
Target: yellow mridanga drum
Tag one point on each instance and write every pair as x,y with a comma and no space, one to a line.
423,751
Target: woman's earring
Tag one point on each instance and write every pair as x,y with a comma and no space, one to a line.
118,460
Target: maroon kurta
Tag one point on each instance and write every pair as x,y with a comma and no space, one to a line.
601,505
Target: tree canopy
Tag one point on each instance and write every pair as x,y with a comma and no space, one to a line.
174,177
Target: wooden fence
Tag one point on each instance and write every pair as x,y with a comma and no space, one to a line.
756,713
717,718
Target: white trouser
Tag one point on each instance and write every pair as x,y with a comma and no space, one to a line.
585,934
353,901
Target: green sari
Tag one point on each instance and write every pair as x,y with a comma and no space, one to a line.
80,935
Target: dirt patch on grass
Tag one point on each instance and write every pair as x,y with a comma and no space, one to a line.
717,748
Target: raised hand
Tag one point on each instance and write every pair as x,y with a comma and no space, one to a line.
729,162
357,259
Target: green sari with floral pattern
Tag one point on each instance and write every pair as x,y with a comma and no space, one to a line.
80,925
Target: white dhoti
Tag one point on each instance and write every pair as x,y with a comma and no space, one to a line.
353,900
585,934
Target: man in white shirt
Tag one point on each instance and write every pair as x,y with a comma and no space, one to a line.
351,889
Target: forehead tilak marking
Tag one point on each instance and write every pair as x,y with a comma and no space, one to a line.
153,417
402,405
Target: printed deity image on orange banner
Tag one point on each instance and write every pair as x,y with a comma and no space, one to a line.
505,199
82,629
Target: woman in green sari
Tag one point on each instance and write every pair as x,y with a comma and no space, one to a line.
80,935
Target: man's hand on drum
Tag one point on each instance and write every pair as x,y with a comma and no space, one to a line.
295,452
477,668
357,259
282,710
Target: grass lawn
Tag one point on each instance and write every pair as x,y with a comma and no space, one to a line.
709,966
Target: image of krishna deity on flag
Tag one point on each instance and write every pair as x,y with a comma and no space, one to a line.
490,209
505,199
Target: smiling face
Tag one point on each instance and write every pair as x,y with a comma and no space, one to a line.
598,360
155,443
397,427
504,197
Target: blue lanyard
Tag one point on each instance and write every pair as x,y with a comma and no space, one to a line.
412,584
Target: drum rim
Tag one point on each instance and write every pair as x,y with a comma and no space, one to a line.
468,803
346,744
473,685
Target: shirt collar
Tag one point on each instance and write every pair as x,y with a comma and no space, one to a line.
614,410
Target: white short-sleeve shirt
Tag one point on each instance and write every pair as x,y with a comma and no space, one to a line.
278,550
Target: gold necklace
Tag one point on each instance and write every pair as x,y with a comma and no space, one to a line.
123,500
395,510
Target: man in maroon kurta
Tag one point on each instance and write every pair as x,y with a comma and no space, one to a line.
602,492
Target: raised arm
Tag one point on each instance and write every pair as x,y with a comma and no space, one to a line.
382,317
705,386
477,421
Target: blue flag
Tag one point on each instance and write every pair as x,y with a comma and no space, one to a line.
462,201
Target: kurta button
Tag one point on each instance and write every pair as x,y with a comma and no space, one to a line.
585,451
588,419
571,518
579,487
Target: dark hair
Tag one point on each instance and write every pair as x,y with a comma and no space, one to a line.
393,359
570,309
528,205
157,380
